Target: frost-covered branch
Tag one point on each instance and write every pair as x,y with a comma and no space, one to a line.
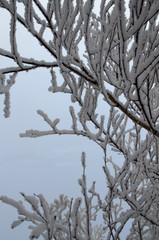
62,219
108,58
109,40
5,86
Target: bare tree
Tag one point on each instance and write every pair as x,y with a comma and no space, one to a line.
120,62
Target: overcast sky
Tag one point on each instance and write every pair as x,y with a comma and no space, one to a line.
48,165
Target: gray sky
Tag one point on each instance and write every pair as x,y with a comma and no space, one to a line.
48,165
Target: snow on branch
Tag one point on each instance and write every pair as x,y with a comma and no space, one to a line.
5,86
65,219
116,48
13,42
62,219
108,58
